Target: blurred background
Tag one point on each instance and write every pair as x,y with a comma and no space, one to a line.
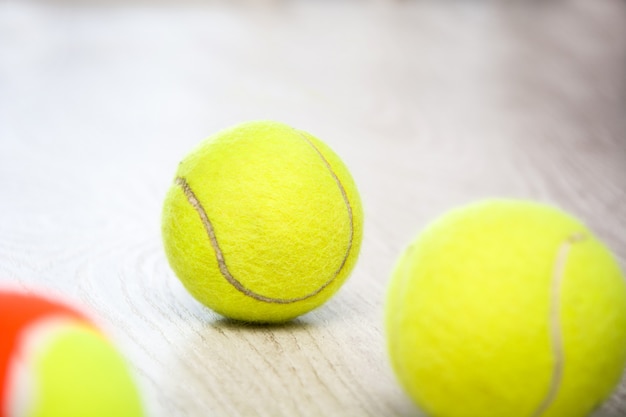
431,104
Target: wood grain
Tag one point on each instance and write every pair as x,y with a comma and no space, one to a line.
430,104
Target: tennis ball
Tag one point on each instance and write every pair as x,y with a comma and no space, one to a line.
263,222
507,308
55,363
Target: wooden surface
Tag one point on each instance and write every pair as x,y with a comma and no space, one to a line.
431,105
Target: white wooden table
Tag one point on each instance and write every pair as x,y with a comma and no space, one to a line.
431,105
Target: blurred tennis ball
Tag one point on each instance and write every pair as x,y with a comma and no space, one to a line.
507,308
55,363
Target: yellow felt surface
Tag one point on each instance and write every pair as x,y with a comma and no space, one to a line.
469,308
77,373
279,216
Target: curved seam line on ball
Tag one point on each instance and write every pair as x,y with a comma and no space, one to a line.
555,323
346,200
208,226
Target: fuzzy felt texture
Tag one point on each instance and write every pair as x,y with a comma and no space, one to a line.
263,222
56,363
507,309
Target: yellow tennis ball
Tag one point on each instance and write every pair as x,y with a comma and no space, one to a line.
262,223
507,309
54,362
